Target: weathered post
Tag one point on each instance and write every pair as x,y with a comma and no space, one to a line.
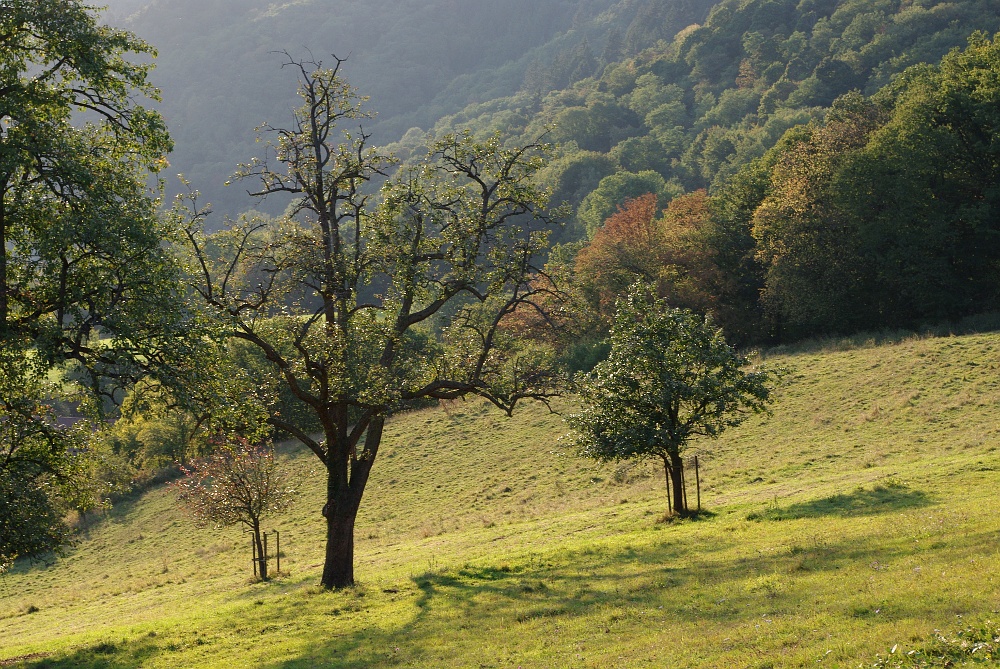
263,561
277,550
697,480
684,488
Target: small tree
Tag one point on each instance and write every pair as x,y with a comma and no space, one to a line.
670,376
236,486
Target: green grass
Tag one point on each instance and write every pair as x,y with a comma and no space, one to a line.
862,516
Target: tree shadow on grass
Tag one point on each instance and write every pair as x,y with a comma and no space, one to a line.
456,609
450,612
861,502
105,655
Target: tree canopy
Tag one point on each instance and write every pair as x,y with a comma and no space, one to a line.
84,277
637,244
670,377
885,214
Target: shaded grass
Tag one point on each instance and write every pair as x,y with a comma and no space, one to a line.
879,499
862,516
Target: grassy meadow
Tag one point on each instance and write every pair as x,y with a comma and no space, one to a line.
864,515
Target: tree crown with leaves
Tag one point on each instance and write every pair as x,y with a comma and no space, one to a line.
670,377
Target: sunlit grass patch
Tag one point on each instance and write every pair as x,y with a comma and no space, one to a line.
831,534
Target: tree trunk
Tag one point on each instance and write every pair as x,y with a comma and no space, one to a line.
338,569
677,480
261,558
346,481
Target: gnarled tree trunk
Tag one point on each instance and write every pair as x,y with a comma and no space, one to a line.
346,480
338,567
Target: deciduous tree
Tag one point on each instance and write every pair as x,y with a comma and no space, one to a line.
238,484
364,303
81,254
819,272
670,377
638,243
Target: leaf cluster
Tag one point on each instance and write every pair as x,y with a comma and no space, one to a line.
670,377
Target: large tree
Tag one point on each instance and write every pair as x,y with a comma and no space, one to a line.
885,215
670,377
364,301
820,274
81,255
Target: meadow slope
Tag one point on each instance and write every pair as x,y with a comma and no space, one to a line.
863,515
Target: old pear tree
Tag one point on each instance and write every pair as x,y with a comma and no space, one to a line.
365,300
83,270
670,377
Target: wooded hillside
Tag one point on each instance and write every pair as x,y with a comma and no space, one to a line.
418,60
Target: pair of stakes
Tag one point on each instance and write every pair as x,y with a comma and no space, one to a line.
260,561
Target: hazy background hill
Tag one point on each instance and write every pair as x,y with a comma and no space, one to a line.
744,72
417,59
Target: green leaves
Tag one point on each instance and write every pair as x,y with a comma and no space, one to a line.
42,464
670,377
884,215
85,283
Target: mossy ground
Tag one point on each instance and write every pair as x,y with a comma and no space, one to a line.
863,515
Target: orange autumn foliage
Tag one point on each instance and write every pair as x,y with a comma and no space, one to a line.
556,314
668,250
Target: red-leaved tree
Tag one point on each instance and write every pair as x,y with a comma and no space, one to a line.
239,484
637,243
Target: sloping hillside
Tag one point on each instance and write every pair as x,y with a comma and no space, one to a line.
220,61
861,516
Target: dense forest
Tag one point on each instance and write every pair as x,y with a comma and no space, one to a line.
221,74
847,166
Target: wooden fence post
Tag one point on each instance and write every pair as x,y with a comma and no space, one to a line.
253,551
263,561
684,487
697,480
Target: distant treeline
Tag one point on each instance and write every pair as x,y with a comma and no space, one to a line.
884,214
808,186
